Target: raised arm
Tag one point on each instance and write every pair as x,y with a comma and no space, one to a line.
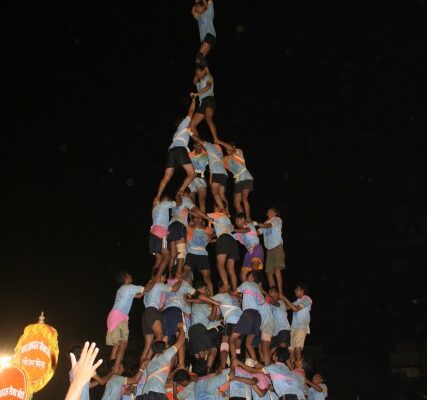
259,392
204,90
181,337
226,145
197,212
214,313
315,386
133,380
290,305
261,225
252,370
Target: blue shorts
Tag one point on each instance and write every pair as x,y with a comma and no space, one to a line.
171,317
249,323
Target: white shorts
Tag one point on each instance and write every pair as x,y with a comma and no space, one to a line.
196,184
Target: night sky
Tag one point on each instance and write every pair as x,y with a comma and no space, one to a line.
328,102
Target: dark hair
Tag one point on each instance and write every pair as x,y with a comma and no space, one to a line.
276,210
201,67
199,284
76,349
303,286
274,288
121,277
181,376
282,354
159,346
174,270
256,275
200,367
240,215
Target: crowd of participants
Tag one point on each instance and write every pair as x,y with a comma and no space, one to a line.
204,341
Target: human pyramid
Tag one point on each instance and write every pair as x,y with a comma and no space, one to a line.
237,343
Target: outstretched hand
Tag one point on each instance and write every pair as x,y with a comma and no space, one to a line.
82,370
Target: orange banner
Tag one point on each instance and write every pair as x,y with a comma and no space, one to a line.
13,384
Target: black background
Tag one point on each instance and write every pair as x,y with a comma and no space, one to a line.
327,99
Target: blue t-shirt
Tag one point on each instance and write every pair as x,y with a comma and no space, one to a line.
230,307
301,319
202,84
197,240
205,22
313,394
222,224
158,370
180,213
300,385
124,297
113,390
181,137
154,296
176,299
199,161
207,388
239,389
235,163
280,316
252,296
160,213
215,158
273,235
248,239
282,378
187,393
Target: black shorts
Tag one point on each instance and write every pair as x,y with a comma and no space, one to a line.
289,397
197,262
207,102
171,317
247,184
283,337
153,396
249,323
200,339
149,316
177,231
238,398
177,156
228,330
226,244
210,39
156,245
220,178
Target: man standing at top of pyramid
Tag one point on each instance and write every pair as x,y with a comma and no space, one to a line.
203,12
178,155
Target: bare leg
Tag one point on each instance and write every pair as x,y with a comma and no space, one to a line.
237,200
190,176
206,274
166,178
165,254
265,349
210,122
148,339
246,205
158,260
204,48
223,197
172,255
279,279
215,187
193,197
114,352
292,356
211,357
233,342
249,346
220,264
181,358
270,278
202,198
232,273
298,353
223,354
197,118
120,354
243,274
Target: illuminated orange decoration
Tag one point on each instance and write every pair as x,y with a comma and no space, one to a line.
14,384
37,353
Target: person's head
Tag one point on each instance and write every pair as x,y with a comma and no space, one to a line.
158,346
198,149
200,72
301,290
273,212
229,151
240,219
198,221
164,197
274,293
281,355
200,7
254,276
201,287
318,379
221,210
200,367
182,377
299,363
76,349
161,278
124,278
